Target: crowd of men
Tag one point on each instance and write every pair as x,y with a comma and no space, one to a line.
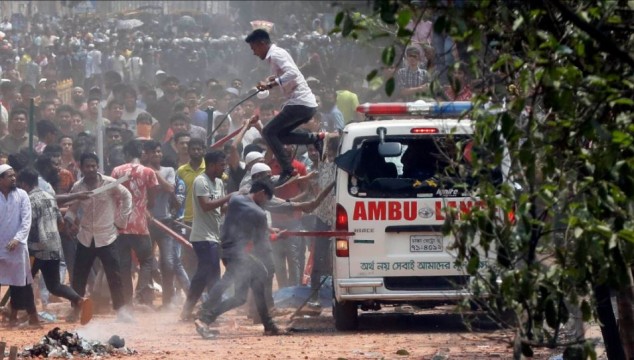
189,157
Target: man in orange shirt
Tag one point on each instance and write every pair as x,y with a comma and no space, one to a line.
142,184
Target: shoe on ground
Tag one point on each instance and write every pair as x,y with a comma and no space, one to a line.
33,323
187,314
86,306
204,331
273,330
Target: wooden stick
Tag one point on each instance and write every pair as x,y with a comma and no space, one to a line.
183,225
172,233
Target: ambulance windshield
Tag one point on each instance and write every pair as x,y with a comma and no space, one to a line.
421,169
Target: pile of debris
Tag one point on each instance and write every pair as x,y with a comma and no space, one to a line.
63,344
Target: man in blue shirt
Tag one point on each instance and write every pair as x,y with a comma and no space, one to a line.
243,270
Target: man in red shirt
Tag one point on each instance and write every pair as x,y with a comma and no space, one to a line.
289,250
142,184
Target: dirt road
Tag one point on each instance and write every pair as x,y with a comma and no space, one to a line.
421,335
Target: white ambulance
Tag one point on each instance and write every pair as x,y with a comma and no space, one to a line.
390,196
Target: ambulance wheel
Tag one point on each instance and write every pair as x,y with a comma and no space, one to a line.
346,315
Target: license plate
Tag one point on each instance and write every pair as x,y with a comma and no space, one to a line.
425,243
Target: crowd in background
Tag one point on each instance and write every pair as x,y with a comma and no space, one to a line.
152,90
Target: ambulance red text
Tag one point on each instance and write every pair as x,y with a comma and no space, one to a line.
404,210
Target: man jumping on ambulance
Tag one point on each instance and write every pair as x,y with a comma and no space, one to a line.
299,108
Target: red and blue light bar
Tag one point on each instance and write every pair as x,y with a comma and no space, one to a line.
453,108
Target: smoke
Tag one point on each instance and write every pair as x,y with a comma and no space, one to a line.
147,326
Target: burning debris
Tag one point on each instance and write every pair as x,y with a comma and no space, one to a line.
63,344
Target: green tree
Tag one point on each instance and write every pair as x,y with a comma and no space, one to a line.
564,70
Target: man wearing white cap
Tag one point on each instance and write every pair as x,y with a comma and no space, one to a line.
158,80
253,158
15,223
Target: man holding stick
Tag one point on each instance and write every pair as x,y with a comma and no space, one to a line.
103,214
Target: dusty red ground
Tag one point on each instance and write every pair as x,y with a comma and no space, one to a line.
159,335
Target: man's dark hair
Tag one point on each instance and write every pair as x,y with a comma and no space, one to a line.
7,86
170,79
50,94
133,149
65,137
179,107
45,127
118,90
28,176
44,104
64,108
144,117
53,149
258,35
78,113
88,156
44,165
179,116
150,145
214,156
112,76
18,111
252,147
114,129
19,160
181,134
191,91
261,185
114,102
196,142
26,87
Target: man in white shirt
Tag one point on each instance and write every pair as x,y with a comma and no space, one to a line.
103,214
300,105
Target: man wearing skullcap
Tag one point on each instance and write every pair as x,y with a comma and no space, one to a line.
15,223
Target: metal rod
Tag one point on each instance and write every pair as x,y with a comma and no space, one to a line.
318,233
100,138
308,298
225,116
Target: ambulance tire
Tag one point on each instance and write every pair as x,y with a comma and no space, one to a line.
346,315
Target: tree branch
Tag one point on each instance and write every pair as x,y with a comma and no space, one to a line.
604,42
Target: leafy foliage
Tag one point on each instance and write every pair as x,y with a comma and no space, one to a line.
565,141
